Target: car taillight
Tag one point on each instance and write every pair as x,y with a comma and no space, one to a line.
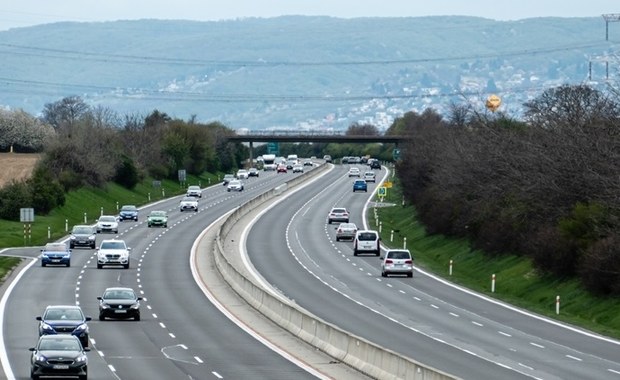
389,261
408,261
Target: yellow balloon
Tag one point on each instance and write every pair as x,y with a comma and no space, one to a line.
493,102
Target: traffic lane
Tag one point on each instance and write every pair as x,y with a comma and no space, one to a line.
527,351
66,290
272,259
174,322
38,288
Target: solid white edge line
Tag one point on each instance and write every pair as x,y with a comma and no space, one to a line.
237,321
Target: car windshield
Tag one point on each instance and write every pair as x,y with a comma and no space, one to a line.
117,294
399,255
59,345
360,182
113,245
129,208
347,226
82,230
189,199
107,219
63,314
56,247
367,236
158,213
339,211
193,188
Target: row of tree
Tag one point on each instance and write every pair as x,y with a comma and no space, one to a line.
91,146
547,187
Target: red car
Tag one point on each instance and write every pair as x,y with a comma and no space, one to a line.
282,168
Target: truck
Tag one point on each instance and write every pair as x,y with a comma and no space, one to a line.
269,162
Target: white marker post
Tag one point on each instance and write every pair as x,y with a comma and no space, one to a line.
391,236
493,283
450,268
557,304
405,243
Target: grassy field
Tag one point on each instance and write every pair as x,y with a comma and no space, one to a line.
517,282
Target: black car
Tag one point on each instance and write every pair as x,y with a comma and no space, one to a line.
119,303
375,164
58,355
128,212
83,236
64,319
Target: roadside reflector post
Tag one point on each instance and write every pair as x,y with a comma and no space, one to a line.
85,219
149,196
450,268
377,222
557,304
380,226
66,225
392,236
405,242
493,283
116,205
49,232
101,213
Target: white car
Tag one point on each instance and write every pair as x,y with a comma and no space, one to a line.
397,261
370,176
354,172
188,204
235,185
107,223
298,168
113,252
242,174
194,191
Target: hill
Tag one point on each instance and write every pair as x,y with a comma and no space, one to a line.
16,166
299,71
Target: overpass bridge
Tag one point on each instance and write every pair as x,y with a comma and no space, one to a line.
292,136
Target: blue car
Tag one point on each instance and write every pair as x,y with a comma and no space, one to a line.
55,254
64,319
128,212
360,185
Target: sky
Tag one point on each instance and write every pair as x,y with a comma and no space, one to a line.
23,13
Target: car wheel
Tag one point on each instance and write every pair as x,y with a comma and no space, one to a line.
409,274
377,253
42,264
355,252
101,317
329,221
126,266
99,266
115,231
71,246
383,274
137,317
84,342
68,265
337,238
93,246
33,376
165,226
148,225
83,377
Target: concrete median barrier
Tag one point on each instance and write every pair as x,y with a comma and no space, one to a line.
367,357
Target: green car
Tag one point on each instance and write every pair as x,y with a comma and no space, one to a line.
157,218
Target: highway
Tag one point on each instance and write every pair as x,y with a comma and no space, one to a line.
470,336
180,336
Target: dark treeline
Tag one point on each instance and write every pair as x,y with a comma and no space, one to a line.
93,146
547,187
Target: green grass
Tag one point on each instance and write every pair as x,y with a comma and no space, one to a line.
517,281
86,204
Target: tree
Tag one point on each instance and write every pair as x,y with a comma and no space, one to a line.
22,131
65,112
362,130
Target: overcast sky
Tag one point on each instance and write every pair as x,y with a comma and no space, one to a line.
21,13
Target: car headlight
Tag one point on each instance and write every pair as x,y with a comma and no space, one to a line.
81,359
104,305
47,328
81,327
40,358
135,305
72,237
91,237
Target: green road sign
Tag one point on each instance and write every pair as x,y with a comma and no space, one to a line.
273,148
382,191
396,154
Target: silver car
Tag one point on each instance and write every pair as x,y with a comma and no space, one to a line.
107,223
397,261
338,214
346,231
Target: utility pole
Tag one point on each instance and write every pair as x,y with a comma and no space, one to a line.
610,17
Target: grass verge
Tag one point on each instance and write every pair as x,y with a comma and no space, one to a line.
517,281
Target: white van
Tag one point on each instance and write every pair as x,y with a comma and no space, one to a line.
366,241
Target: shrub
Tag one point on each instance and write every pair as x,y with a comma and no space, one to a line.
127,174
600,271
14,196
